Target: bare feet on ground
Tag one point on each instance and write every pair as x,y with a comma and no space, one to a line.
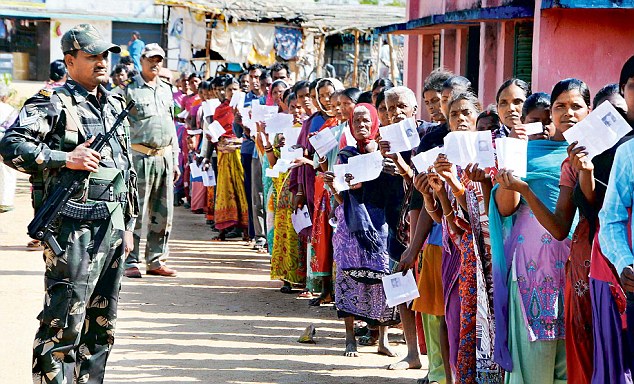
406,363
385,350
351,350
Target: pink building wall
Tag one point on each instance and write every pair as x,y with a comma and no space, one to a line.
413,75
420,58
429,7
413,9
496,57
588,44
458,5
488,62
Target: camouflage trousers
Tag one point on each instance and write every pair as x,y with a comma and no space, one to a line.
77,323
156,202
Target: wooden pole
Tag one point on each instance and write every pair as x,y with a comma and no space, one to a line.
377,63
392,61
355,65
208,24
322,56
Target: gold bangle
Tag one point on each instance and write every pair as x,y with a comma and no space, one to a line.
433,210
459,193
447,215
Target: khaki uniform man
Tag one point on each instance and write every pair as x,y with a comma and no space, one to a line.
53,131
155,157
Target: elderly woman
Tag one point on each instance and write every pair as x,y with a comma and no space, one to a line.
460,205
401,104
428,238
360,240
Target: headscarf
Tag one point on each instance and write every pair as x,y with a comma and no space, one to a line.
335,83
269,96
224,115
374,130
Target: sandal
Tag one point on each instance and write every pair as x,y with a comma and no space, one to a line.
305,295
234,233
320,300
35,245
221,237
369,340
361,331
424,380
286,289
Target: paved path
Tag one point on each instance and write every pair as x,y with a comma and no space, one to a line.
221,321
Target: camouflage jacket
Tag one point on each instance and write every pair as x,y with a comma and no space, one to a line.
152,118
39,139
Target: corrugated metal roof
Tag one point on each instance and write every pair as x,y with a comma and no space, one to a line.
307,13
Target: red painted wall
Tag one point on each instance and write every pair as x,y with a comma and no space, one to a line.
591,45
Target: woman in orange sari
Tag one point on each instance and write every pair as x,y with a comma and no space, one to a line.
231,201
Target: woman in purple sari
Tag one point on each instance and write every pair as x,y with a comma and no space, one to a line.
528,261
360,240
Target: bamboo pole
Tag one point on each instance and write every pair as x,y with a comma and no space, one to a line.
355,65
208,24
392,61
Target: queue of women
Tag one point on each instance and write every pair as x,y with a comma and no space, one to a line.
521,280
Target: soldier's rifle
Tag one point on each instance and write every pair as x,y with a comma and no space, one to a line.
70,182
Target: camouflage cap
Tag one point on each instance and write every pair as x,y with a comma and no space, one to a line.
153,49
86,38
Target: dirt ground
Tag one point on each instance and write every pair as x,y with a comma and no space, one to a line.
221,321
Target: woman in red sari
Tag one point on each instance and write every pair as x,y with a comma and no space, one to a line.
321,236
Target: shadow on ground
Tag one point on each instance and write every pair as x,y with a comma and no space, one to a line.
223,321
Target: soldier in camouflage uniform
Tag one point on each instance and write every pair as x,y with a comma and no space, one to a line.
53,131
155,155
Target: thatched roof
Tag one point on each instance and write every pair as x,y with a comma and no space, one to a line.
307,13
